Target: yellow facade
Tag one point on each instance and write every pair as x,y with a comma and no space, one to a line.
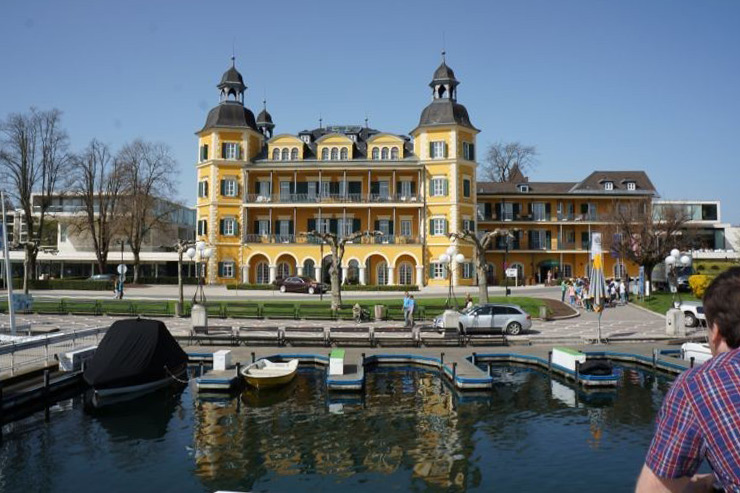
260,195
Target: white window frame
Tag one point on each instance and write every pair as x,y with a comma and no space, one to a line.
438,224
407,226
264,190
438,149
263,227
539,211
231,151
608,185
230,187
405,274
229,226
468,224
203,188
227,270
631,186
466,151
406,188
467,270
262,273
381,273
202,227
439,270
507,211
438,187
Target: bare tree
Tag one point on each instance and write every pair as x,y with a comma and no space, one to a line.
646,236
337,244
507,160
148,173
98,183
35,155
481,242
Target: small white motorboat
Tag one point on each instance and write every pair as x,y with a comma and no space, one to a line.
265,373
699,351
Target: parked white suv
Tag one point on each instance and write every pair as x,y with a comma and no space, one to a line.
693,312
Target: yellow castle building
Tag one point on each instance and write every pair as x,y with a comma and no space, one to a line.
259,194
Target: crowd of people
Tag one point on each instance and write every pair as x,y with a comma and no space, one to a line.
578,293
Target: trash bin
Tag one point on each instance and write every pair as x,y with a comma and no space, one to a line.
543,312
379,312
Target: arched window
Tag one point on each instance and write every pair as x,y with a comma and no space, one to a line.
263,273
275,154
334,153
294,154
309,268
405,273
343,154
382,273
325,153
283,270
286,154
394,152
384,154
376,153
353,272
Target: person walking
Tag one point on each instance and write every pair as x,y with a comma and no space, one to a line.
572,294
412,309
563,289
699,417
407,314
623,292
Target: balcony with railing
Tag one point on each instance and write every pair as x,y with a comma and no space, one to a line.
524,217
331,198
267,239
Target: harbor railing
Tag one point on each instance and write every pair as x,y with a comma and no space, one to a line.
32,351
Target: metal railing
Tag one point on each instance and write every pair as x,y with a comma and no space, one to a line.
37,350
306,239
335,198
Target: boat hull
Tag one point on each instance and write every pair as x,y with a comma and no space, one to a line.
268,382
113,395
266,374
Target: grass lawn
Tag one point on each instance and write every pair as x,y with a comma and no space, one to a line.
662,302
433,306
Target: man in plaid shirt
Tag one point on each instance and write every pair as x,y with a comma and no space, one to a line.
700,417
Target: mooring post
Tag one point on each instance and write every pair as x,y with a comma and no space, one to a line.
490,372
454,372
578,372
200,368
46,382
252,356
474,357
363,360
442,359
655,358
549,362
46,348
238,367
691,360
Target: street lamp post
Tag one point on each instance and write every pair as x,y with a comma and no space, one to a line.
673,262
447,258
203,253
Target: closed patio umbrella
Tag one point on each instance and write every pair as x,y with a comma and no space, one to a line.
597,289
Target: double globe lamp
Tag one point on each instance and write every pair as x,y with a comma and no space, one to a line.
447,258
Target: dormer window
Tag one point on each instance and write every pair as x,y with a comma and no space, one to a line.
631,185
306,138
608,185
523,188
352,137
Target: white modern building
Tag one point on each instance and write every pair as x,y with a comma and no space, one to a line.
709,236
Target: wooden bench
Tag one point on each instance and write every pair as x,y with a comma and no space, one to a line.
402,336
498,339
306,335
213,334
440,337
261,335
357,334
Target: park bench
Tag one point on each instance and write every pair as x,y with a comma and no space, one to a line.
484,339
399,336
261,335
213,334
306,335
430,336
357,334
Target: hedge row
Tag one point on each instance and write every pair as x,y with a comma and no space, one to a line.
348,287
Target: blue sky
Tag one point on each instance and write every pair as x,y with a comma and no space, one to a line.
592,84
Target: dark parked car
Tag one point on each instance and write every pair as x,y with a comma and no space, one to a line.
297,284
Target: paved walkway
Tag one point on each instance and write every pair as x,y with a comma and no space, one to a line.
623,323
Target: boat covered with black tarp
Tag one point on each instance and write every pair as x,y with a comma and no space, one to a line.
135,356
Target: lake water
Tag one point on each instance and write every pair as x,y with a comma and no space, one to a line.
410,433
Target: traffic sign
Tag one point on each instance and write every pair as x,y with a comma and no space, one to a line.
122,269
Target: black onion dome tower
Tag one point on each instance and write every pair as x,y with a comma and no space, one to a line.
264,122
231,111
444,108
